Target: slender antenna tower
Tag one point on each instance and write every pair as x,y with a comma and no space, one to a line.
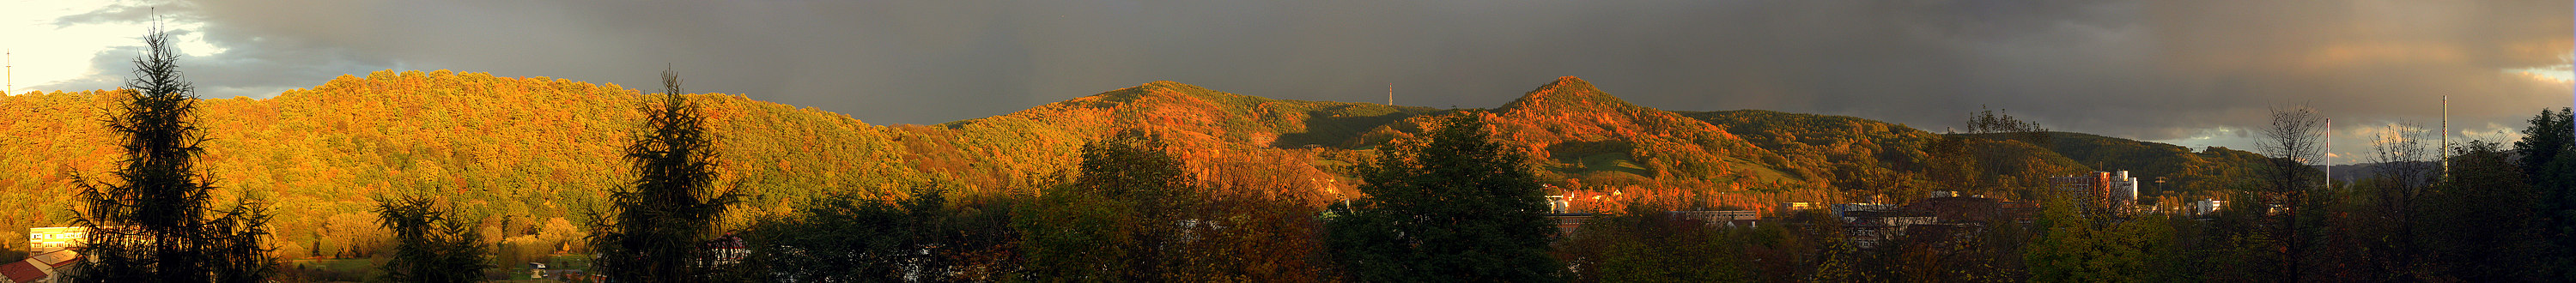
1390,94
12,65
2329,153
2446,137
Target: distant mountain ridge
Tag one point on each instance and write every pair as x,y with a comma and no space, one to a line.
527,151
2210,169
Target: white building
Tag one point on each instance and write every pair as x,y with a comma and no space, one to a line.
48,239
2124,189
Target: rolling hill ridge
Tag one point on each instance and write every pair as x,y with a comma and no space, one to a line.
530,154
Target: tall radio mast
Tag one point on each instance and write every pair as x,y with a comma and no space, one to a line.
1390,94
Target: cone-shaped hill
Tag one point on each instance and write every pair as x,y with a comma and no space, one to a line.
1570,94
1595,136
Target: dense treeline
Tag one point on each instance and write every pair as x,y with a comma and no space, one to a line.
514,163
527,153
524,155
1452,206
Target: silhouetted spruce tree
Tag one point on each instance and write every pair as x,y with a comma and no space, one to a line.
661,220
429,245
1459,208
155,223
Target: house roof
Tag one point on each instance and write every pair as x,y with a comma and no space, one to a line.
40,266
22,271
58,259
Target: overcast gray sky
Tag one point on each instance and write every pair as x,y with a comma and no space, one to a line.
2190,72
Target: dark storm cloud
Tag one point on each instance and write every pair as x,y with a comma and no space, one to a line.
2137,69
249,63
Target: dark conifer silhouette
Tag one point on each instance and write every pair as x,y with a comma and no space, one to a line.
154,222
429,245
657,225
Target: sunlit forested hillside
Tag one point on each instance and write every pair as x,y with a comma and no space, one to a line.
2208,170
529,156
1583,139
1893,159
